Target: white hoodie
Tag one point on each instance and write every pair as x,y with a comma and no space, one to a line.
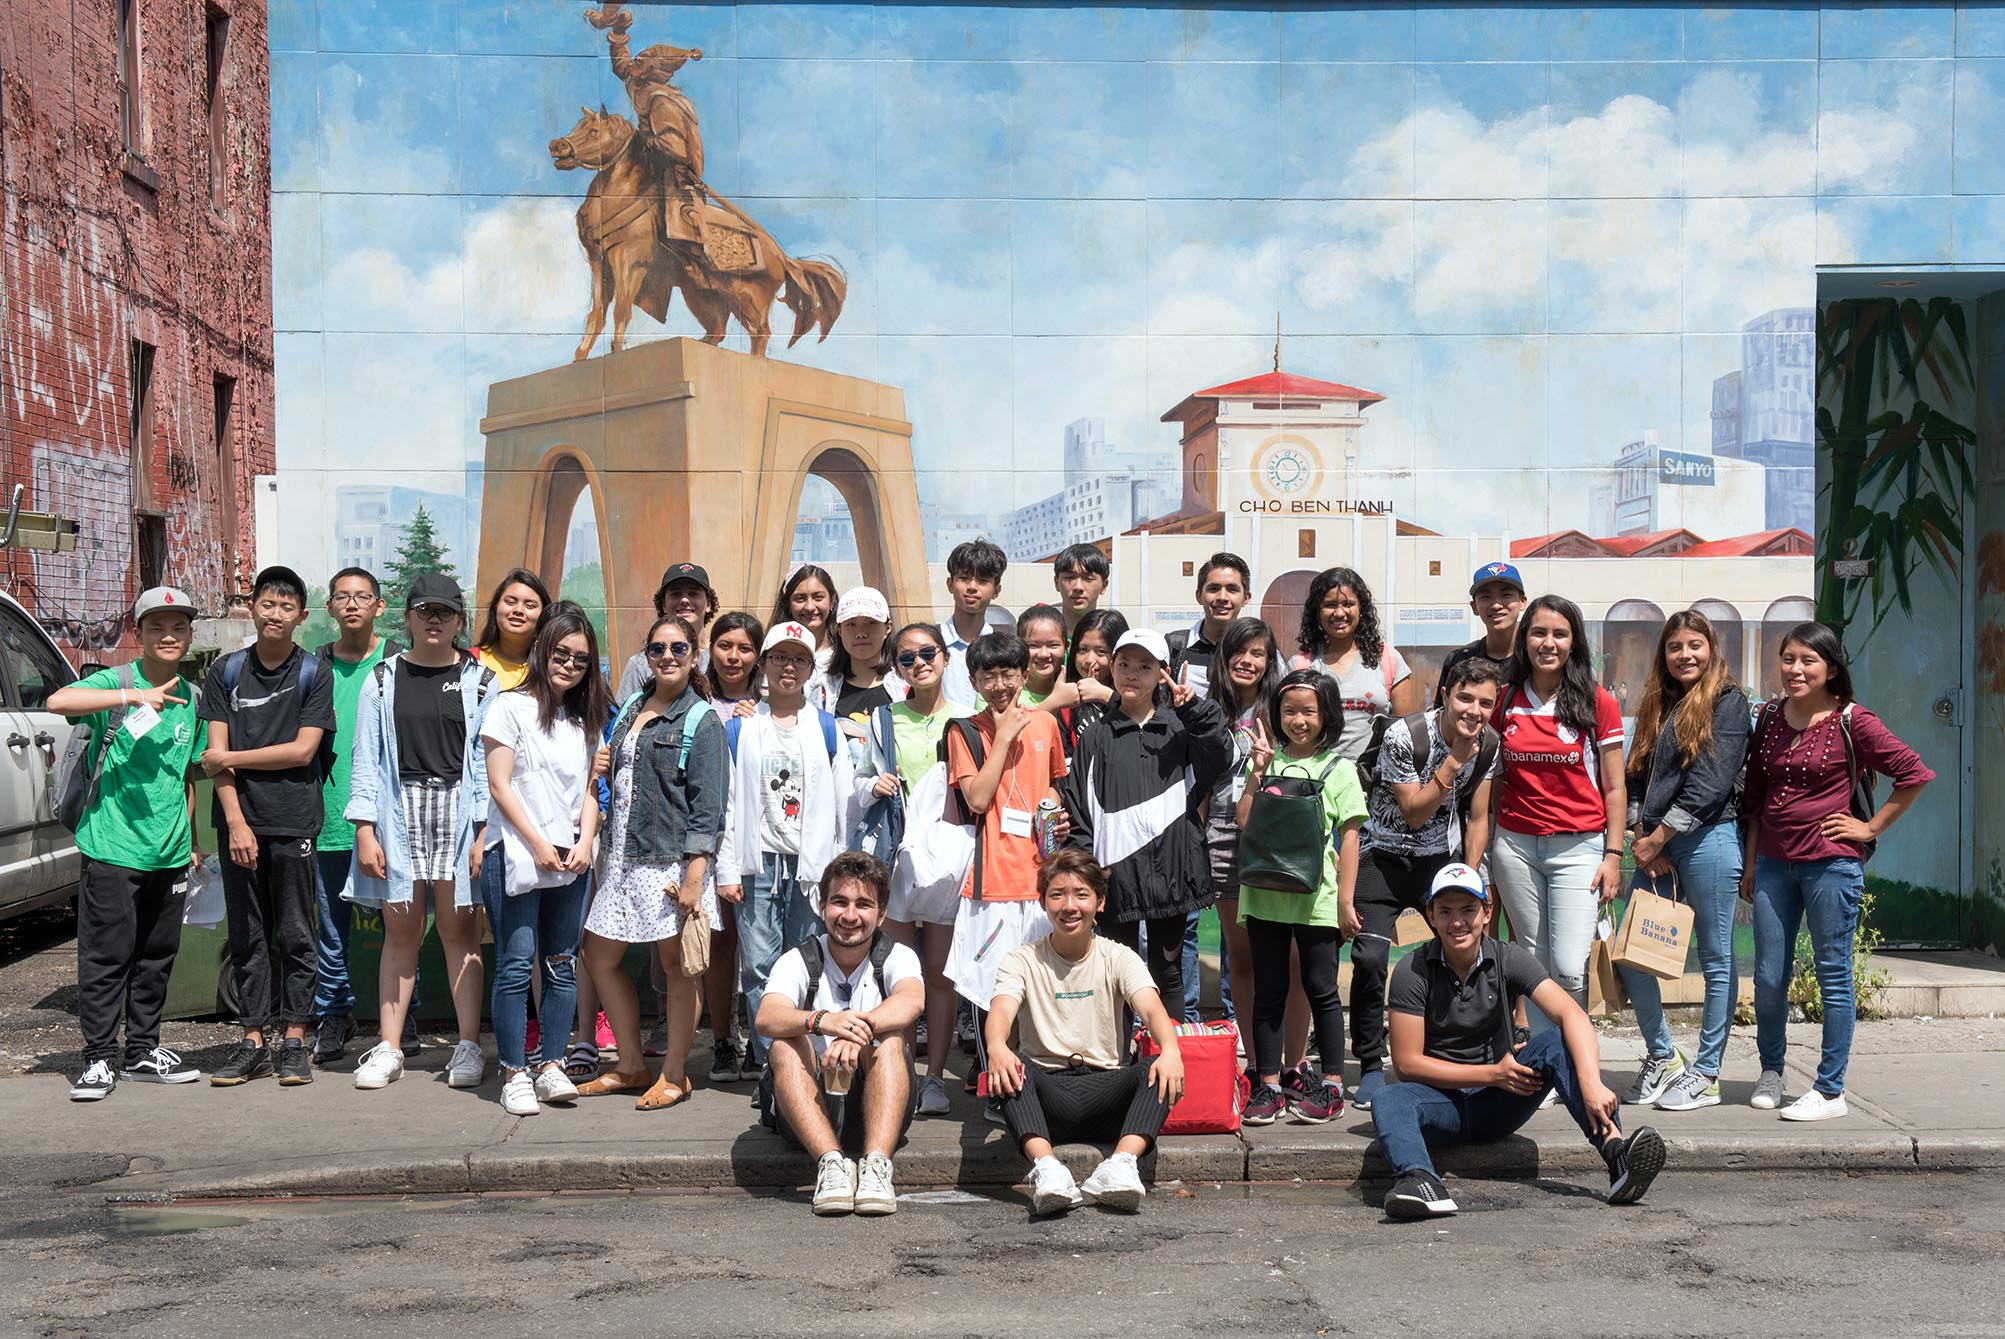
827,797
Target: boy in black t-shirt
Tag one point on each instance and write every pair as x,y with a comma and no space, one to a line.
267,709
1497,599
1468,1076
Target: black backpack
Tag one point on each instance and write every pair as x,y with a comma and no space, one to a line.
77,772
231,668
881,945
1416,736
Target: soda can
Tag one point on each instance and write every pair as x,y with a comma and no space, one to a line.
1042,828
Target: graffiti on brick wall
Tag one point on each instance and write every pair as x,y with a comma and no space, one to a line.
81,595
65,358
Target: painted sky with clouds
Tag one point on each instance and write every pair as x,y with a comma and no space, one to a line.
1536,231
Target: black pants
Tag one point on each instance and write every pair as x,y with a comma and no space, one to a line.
1317,946
1087,1106
1165,957
271,914
1387,885
128,931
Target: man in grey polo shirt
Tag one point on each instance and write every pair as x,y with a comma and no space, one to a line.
1469,1076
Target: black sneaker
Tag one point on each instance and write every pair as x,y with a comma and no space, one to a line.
1300,1082
330,1042
293,1063
160,1065
1264,1106
1633,1163
1418,1195
724,1063
95,1083
411,1043
249,1061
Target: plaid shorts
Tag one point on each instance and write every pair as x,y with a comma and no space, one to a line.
431,821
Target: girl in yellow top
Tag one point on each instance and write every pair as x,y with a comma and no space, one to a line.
514,616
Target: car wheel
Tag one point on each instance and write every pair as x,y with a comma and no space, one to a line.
226,990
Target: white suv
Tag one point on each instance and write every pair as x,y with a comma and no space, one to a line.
38,855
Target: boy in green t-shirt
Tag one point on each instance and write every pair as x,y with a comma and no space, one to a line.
137,841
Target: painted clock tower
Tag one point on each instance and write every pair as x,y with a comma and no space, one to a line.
1275,443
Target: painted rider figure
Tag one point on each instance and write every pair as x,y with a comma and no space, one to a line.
666,121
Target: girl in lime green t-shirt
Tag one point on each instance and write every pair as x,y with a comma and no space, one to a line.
1307,716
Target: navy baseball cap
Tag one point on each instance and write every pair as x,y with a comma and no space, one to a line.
1497,572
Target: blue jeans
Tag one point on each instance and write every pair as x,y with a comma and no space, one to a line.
1191,980
536,930
334,925
1826,893
1412,1116
1708,862
774,918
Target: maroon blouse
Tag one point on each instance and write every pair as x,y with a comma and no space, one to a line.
1798,778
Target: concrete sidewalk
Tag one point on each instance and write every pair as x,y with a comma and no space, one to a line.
1923,1095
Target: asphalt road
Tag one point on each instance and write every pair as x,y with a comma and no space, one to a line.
1906,1255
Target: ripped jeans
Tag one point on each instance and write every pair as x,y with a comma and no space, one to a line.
536,930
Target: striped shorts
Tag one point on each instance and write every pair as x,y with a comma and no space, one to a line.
431,821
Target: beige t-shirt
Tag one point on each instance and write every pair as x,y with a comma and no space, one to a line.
1070,1012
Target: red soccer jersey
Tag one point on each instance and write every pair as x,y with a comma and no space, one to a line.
1552,777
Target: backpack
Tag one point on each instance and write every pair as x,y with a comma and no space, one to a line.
77,774
880,829
735,726
698,710
970,821
1861,804
881,945
1179,644
1281,848
231,669
1416,736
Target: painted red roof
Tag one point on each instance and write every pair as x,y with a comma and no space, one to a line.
1664,544
1656,544
1287,383
1787,543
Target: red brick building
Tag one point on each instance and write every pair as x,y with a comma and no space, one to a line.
135,299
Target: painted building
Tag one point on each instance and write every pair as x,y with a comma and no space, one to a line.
135,313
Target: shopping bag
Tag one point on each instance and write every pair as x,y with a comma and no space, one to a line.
1605,992
1655,934
1411,928
204,903
1215,1089
695,942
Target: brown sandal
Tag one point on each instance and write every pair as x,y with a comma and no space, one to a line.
662,1096
612,1081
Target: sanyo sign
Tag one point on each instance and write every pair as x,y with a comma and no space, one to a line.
1675,467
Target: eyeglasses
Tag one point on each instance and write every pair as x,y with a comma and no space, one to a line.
907,659
999,677
562,659
348,599
435,613
671,650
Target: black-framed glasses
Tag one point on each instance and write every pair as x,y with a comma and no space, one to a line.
349,598
673,650
560,658
907,659
435,613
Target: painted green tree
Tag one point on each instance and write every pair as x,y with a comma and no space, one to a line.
418,552
1897,479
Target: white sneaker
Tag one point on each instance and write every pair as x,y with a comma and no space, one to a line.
467,1067
518,1094
1767,1091
554,1086
1551,1098
1116,1184
1813,1105
380,1067
1052,1189
874,1194
933,1096
1657,1073
835,1186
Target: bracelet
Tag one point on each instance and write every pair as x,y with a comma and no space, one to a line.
1611,850
814,1021
122,699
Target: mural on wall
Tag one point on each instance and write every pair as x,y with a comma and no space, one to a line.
1545,277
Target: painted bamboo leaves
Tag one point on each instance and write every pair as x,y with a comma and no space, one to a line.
1897,479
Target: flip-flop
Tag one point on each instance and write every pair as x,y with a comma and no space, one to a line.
658,1097
612,1081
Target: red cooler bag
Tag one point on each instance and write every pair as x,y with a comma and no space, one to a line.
1215,1088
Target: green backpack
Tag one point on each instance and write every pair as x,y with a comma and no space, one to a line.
1282,845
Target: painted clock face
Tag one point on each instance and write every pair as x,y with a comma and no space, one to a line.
1285,467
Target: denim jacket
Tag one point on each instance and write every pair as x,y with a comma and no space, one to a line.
1683,798
672,813
376,790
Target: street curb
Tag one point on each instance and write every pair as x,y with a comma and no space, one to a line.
763,1163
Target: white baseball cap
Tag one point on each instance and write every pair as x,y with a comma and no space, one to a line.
863,602
152,601
1458,877
1148,639
781,633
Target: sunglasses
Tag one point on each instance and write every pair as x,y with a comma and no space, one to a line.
907,659
435,613
561,659
672,650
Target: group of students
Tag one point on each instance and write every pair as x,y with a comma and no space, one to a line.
852,830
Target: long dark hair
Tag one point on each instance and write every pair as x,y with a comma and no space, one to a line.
694,633
840,666
1825,645
1689,710
1575,707
1329,705
783,603
490,632
1238,634
735,621
589,702
1111,624
1370,640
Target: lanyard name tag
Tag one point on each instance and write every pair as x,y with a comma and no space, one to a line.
140,720
1015,822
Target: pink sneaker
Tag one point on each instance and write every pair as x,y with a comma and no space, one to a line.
602,1036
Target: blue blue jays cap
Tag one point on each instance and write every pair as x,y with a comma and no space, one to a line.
1458,877
1496,572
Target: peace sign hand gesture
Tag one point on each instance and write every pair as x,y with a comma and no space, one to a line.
158,698
1263,749
1180,693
